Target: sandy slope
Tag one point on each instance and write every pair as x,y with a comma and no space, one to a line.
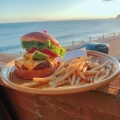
113,41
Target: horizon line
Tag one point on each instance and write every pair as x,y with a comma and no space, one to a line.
24,21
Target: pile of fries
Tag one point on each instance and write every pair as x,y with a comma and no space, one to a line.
77,71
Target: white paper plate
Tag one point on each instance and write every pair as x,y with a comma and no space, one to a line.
10,79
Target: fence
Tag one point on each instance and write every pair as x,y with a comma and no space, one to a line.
101,38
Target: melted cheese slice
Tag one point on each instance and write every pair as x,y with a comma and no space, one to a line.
31,63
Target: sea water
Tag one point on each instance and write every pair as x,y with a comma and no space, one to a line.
64,31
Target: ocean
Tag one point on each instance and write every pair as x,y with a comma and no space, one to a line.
64,31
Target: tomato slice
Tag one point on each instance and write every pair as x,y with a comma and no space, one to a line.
32,50
49,52
46,51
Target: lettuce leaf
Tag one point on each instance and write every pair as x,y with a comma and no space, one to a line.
26,45
60,51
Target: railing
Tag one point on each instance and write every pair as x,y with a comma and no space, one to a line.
102,38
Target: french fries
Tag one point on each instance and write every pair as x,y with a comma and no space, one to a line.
30,84
73,78
45,79
77,71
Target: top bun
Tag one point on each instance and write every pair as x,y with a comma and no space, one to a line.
40,37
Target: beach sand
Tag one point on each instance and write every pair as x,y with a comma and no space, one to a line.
114,45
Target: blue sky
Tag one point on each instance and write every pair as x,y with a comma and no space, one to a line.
45,10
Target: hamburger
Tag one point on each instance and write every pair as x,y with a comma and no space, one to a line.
39,60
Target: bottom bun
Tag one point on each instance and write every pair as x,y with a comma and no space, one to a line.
30,74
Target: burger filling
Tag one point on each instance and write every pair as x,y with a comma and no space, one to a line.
35,60
39,55
47,48
38,66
